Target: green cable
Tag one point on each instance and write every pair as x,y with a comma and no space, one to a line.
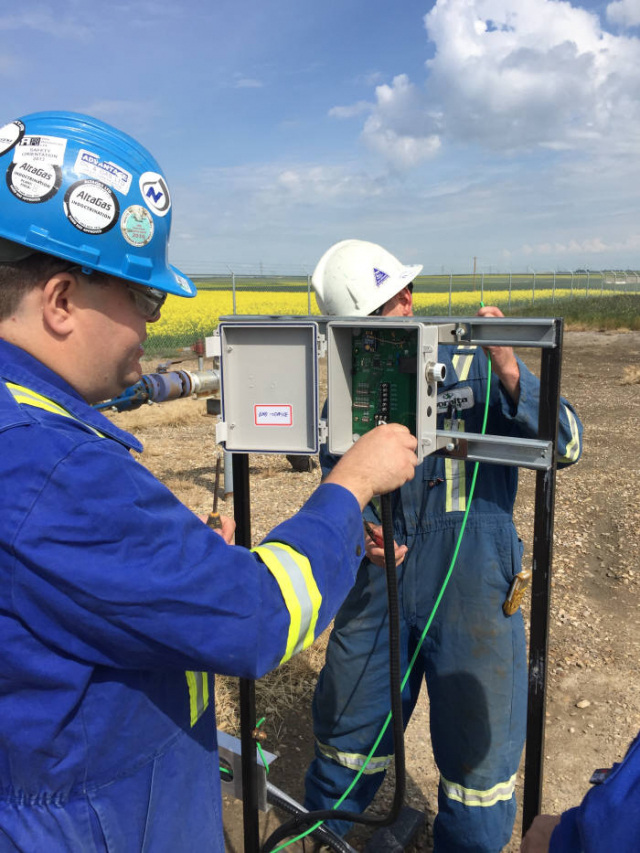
445,583
261,753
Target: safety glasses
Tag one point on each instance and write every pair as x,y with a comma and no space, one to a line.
148,300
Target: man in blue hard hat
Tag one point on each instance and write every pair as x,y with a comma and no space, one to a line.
116,602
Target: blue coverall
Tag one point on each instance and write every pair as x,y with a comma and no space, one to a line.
608,818
473,657
115,602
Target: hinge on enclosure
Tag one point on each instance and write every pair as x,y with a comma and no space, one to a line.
323,431
322,345
212,345
221,432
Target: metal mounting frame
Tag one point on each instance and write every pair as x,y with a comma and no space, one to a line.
546,335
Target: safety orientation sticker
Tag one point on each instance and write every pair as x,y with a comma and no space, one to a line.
155,193
35,174
10,135
269,414
91,207
89,163
137,225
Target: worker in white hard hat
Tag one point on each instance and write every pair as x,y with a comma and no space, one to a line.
473,658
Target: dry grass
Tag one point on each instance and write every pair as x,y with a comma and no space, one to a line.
283,690
630,376
146,418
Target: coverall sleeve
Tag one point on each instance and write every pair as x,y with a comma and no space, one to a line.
522,420
112,569
608,817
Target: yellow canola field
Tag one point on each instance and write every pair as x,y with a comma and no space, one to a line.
192,318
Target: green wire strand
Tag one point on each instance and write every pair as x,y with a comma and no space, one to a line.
260,752
445,583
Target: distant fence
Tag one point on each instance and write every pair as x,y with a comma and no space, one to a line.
577,283
184,322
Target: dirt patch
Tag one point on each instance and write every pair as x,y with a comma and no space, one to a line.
594,679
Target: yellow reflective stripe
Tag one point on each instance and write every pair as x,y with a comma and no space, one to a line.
572,450
474,797
455,474
293,574
462,363
27,397
355,761
198,684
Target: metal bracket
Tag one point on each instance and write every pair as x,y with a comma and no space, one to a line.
525,452
506,332
322,345
231,782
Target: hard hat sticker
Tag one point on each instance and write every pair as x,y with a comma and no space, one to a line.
91,207
380,276
32,182
88,163
155,193
35,174
183,283
10,134
41,149
137,225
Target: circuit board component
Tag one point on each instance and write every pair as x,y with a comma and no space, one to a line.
383,378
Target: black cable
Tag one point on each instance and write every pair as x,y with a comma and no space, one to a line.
281,800
292,827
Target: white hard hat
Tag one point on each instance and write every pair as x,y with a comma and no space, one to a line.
354,277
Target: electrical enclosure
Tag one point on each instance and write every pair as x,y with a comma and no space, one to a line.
379,370
269,388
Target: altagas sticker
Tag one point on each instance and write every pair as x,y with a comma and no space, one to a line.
35,174
91,207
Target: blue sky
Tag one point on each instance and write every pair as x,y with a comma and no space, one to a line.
506,130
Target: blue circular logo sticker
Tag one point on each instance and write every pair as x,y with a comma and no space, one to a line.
136,225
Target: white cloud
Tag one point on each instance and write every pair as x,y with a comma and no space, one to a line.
624,12
401,126
513,77
351,111
587,246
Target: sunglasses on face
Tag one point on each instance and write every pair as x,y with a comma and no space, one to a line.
148,300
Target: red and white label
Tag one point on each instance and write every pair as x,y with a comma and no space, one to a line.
272,415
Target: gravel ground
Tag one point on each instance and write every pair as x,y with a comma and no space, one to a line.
594,679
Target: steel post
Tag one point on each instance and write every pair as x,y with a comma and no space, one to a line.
551,360
242,515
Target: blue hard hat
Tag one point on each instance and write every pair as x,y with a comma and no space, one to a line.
76,188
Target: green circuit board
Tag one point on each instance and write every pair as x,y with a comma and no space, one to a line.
383,385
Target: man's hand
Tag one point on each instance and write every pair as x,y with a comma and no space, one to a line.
503,360
226,531
374,548
539,834
379,462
